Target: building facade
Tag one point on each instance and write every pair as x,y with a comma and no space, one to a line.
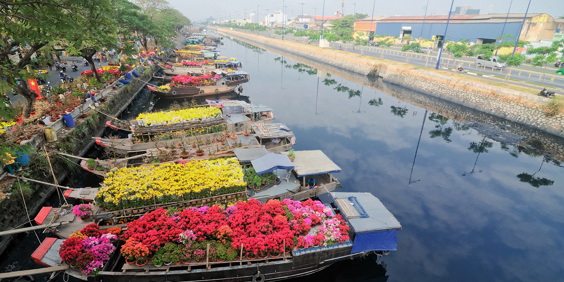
474,28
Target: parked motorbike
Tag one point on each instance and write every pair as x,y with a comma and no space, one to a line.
86,63
546,93
559,64
74,68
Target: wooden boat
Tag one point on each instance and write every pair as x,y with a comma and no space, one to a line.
184,92
276,137
374,229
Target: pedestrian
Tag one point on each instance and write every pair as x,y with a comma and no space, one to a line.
50,66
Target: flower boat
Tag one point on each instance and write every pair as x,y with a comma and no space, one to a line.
210,243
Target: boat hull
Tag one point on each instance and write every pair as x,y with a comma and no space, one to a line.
274,270
193,91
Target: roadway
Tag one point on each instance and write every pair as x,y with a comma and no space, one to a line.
525,75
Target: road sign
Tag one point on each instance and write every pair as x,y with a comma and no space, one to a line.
305,26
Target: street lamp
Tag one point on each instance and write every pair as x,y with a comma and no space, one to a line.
322,21
522,24
354,18
257,16
283,14
444,37
302,17
424,17
503,29
371,21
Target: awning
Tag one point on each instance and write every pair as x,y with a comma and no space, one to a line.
271,162
249,154
237,118
313,163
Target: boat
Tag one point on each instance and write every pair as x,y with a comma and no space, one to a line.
276,137
373,229
183,92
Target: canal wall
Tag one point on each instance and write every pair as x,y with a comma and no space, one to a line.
75,141
516,106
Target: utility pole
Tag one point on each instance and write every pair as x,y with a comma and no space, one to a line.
354,18
342,8
423,25
302,17
503,29
522,25
444,37
322,20
283,16
371,21
257,17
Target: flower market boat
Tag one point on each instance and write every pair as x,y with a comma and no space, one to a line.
211,243
190,91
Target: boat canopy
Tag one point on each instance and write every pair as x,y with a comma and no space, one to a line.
313,162
233,119
273,130
249,154
271,162
208,54
374,225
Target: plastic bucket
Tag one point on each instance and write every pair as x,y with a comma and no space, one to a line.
24,159
50,134
128,75
69,121
124,81
135,73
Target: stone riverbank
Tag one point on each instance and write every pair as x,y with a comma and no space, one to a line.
519,107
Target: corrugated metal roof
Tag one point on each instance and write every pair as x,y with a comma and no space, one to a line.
487,18
313,163
378,217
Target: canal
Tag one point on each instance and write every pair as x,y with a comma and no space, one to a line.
471,208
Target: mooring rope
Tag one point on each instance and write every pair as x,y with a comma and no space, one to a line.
26,211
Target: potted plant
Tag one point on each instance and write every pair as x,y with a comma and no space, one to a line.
128,251
251,255
221,253
91,163
231,254
291,155
167,259
199,152
158,260
186,256
83,211
199,255
176,256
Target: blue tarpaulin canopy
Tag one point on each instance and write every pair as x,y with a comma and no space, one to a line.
271,162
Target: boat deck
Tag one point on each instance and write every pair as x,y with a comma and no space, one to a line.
292,185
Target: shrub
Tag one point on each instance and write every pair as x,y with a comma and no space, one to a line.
552,108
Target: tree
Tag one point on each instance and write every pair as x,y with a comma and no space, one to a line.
95,29
545,55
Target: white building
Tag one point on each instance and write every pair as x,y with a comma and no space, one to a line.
275,18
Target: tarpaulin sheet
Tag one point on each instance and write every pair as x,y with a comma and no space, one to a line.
271,162
384,240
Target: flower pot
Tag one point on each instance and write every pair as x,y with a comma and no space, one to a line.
199,260
274,254
141,264
185,156
167,263
158,265
193,146
130,262
83,116
85,218
200,154
187,261
251,257
246,134
234,137
177,262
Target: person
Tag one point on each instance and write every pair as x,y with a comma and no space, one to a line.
57,66
9,161
62,75
240,89
459,68
91,96
50,66
311,182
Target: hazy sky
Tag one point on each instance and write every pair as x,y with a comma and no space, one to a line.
202,9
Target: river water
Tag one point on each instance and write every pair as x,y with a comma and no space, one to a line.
471,208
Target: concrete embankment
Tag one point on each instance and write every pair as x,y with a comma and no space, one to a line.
516,106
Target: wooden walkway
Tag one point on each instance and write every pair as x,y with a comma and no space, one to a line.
33,271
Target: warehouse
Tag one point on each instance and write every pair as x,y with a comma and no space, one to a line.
474,28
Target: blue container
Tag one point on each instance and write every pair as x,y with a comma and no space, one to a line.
124,81
69,121
24,159
129,76
135,73
558,30
142,68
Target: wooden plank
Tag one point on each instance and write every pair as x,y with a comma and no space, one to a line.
40,252
26,229
33,271
42,215
347,208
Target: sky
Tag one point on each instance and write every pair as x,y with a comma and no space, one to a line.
199,11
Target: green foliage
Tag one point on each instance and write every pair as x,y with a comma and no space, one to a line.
415,47
515,60
25,188
91,163
254,180
93,82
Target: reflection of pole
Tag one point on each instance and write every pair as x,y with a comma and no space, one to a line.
360,103
281,73
543,161
475,162
316,95
417,148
